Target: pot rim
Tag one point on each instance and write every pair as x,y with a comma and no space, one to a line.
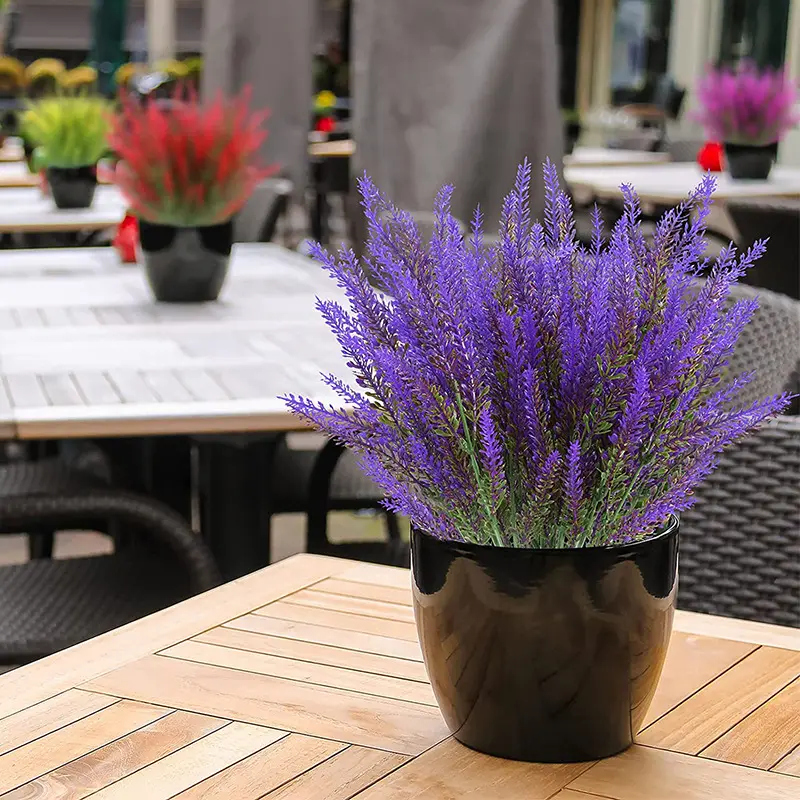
140,220
669,529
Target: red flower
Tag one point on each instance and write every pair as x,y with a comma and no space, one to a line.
187,163
325,125
126,239
710,157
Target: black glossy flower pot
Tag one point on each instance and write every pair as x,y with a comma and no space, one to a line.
750,162
185,265
72,187
544,655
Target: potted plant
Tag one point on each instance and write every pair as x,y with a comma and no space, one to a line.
69,133
572,128
541,411
186,168
749,110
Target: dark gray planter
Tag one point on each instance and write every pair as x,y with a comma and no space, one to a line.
72,187
185,265
750,162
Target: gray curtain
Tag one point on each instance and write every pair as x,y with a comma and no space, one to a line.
455,91
266,44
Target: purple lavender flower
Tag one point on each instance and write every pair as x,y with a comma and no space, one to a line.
747,105
537,393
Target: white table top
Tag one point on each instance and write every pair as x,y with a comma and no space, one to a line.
85,351
609,157
28,210
671,183
16,174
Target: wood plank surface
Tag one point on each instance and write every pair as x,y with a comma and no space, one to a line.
73,741
451,770
313,598
692,662
320,634
329,618
366,591
48,716
107,765
766,736
715,709
377,722
340,777
304,672
257,775
315,653
647,773
191,764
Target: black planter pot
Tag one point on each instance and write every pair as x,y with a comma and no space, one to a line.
185,265
544,655
572,133
750,162
72,187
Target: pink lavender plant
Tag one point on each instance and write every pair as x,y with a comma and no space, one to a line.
537,393
747,105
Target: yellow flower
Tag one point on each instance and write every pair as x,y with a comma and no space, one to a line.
325,99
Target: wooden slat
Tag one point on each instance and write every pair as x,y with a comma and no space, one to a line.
303,671
166,386
340,777
377,574
254,777
766,736
73,741
738,630
97,388
315,653
301,708
131,386
311,598
26,391
570,794
705,716
450,770
123,757
368,591
366,642
692,662
48,716
61,390
38,681
194,763
646,773
339,621
201,385
791,764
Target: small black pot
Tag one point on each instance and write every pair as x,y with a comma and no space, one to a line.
572,132
545,655
750,162
72,187
185,265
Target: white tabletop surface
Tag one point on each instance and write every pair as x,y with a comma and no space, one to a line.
85,351
11,150
15,174
671,183
28,210
608,157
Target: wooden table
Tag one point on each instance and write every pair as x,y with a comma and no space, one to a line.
610,157
305,682
27,210
339,148
86,352
671,183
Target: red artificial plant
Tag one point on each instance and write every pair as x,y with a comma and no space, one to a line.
709,157
186,163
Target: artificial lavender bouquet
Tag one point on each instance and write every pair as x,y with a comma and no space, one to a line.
536,392
746,105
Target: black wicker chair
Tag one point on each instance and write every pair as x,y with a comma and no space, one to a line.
777,219
48,605
740,543
315,482
258,219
